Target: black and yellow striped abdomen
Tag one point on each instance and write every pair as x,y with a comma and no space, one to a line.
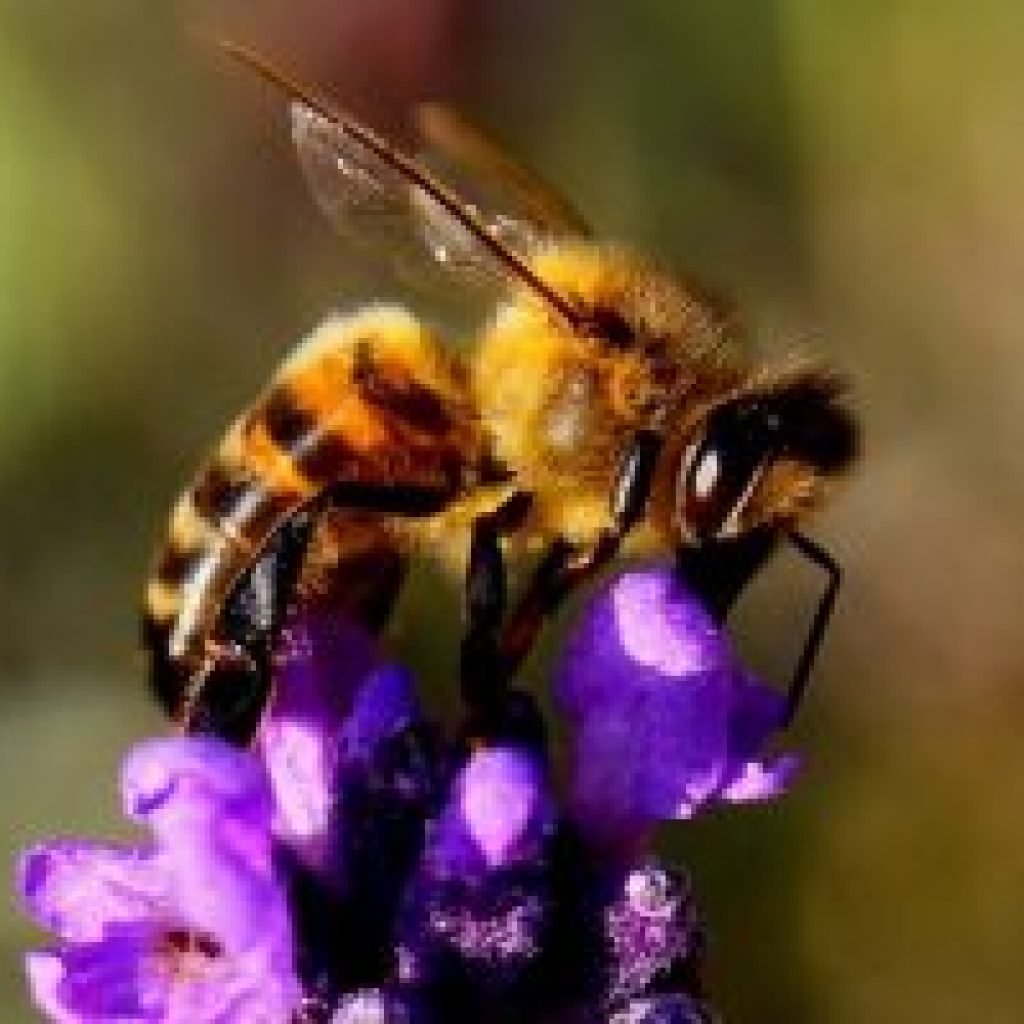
371,410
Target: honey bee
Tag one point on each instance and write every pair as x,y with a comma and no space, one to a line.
602,401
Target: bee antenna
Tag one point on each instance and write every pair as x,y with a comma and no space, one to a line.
248,57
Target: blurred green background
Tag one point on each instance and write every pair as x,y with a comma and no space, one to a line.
852,171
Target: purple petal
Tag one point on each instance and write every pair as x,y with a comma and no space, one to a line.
101,981
757,712
501,813
192,928
384,705
134,977
246,990
45,971
209,806
664,719
220,893
643,624
301,757
76,889
761,780
169,781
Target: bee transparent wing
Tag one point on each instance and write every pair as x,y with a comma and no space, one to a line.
374,192
350,185
378,205
521,206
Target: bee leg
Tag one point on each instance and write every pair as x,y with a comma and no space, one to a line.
233,689
485,599
565,566
231,693
801,674
633,480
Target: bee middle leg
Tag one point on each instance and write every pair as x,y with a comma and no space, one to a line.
482,680
562,569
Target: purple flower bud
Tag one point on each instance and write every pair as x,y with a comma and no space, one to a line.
476,911
500,814
335,701
664,720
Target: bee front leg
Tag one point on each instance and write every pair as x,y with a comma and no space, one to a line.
818,556
565,566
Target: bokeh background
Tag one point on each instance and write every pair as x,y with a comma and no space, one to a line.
852,171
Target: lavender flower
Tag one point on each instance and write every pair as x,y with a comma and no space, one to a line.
191,926
358,866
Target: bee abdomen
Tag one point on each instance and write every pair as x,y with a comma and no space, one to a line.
168,676
369,411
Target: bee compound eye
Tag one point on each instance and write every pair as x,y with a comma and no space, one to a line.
718,475
701,497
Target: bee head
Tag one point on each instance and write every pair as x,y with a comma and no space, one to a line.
762,456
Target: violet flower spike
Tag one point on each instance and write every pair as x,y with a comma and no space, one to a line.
358,866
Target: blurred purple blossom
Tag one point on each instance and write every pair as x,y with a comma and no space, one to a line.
358,866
